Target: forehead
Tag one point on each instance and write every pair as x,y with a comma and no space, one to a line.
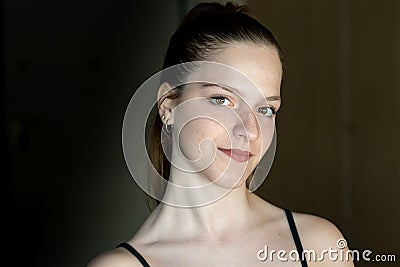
261,64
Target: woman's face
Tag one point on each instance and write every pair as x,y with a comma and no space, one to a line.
224,130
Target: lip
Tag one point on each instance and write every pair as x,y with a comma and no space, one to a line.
237,154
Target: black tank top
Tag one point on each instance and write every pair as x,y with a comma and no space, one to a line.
292,226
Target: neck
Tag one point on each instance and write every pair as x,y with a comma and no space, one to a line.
230,210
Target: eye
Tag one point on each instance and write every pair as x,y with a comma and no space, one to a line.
220,100
267,111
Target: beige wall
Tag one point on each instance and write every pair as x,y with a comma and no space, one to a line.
338,152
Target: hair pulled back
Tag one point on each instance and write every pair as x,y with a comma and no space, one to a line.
206,29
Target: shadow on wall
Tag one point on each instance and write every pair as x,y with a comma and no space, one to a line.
71,69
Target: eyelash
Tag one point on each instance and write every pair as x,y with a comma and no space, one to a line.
273,110
215,98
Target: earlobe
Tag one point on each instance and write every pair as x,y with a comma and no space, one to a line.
165,102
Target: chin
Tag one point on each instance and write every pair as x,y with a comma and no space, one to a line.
228,180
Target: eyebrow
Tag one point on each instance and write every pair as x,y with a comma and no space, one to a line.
235,91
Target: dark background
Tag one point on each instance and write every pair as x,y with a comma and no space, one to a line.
71,68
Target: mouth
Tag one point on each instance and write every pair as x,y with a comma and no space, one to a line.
237,154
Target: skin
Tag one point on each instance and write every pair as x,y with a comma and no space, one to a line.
230,231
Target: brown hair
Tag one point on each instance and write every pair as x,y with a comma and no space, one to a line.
204,31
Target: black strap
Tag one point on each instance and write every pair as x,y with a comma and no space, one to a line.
135,253
296,237
292,226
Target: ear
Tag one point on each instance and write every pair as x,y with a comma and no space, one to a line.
166,102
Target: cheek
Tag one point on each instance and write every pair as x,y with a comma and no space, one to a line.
267,136
197,139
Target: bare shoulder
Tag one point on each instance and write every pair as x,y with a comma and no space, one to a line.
116,257
320,235
316,229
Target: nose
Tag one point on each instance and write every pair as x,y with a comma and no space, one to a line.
247,127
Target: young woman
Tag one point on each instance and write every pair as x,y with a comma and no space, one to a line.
221,123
